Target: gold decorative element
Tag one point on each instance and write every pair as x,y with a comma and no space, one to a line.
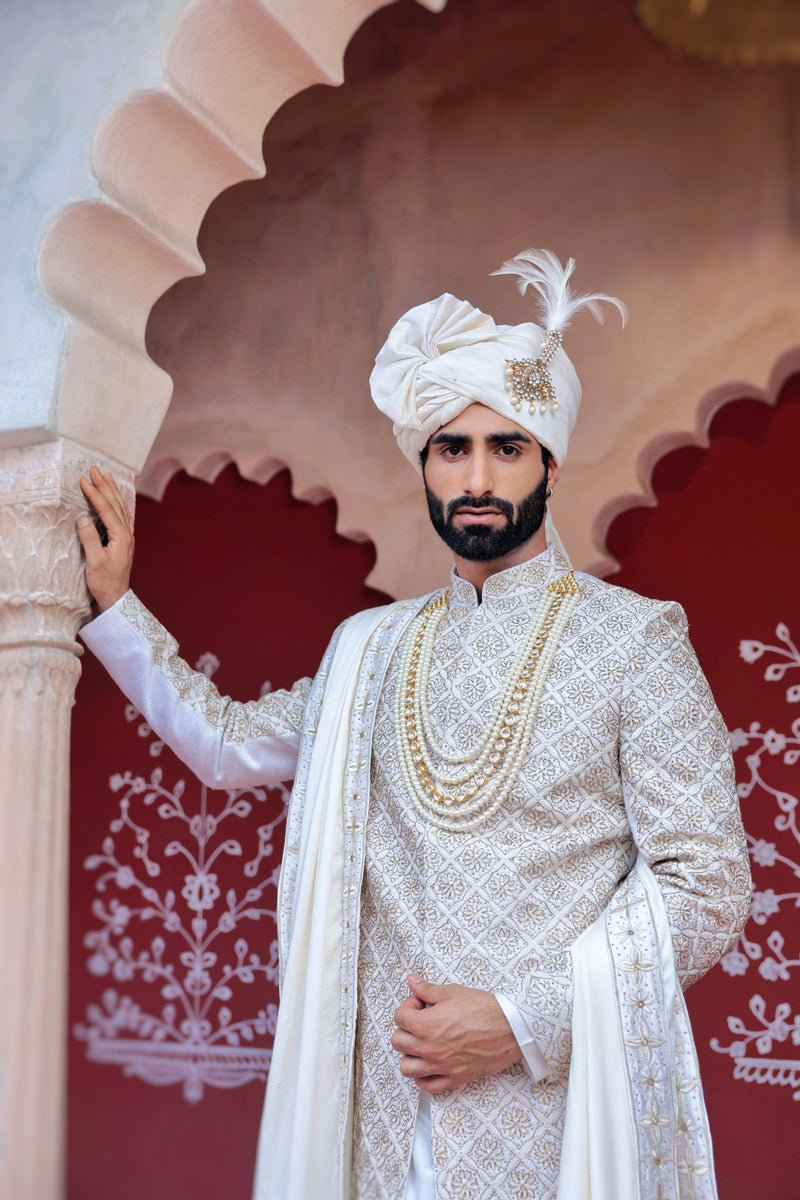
529,380
483,777
733,32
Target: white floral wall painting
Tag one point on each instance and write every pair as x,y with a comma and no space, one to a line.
762,1049
200,949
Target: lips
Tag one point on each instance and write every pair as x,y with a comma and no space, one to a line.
478,516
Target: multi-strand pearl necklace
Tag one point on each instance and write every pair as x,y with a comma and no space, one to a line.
462,798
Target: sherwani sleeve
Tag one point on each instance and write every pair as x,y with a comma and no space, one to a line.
226,743
680,793
677,780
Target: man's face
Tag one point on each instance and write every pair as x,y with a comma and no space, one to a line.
486,484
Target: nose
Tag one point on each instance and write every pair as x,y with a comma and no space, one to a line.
479,479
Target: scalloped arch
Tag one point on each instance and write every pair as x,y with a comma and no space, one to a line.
161,159
663,444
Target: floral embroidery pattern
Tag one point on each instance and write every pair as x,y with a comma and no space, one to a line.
763,753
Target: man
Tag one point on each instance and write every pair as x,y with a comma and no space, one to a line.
475,774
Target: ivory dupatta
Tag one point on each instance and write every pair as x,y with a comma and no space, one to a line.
636,1125
304,1142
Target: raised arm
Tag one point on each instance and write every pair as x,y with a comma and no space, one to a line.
226,743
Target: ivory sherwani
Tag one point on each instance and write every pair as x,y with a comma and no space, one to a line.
628,751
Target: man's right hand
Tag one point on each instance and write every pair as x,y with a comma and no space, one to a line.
108,568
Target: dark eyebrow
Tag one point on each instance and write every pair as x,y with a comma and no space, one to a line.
497,439
451,439
493,439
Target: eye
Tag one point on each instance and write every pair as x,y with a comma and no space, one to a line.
508,450
452,451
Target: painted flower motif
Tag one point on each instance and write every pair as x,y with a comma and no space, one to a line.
735,963
200,891
771,970
119,916
774,742
122,970
778,1029
738,739
207,663
764,905
764,853
197,982
751,651
98,964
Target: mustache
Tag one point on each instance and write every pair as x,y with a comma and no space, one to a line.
502,506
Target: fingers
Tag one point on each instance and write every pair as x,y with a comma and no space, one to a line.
120,504
426,1075
428,993
408,1009
409,1044
411,1020
90,539
415,1068
105,497
108,568
434,1085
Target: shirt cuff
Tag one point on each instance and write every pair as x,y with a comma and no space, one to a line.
526,1039
101,622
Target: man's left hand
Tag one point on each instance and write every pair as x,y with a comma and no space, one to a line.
461,1035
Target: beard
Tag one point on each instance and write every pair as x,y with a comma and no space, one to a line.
481,543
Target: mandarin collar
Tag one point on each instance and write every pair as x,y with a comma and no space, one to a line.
533,574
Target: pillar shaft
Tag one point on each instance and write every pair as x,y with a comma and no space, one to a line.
43,601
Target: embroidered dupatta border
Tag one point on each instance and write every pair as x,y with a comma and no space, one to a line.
673,1143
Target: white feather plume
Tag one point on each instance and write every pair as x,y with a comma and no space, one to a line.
541,270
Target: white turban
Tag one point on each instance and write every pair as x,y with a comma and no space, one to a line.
445,355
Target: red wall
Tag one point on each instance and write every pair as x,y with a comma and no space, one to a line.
723,541
260,581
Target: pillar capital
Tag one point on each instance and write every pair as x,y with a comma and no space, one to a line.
43,596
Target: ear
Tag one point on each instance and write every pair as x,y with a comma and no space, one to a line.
552,472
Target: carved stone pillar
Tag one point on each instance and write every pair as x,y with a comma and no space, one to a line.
43,601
